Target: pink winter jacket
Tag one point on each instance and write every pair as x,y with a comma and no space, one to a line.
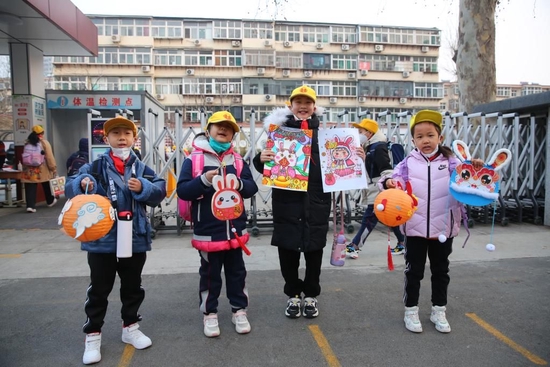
438,212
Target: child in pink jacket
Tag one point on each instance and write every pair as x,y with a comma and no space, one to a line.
435,223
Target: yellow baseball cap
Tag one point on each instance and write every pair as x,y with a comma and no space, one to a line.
119,122
222,116
38,129
427,116
304,90
367,124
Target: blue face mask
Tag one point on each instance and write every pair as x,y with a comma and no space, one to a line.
219,147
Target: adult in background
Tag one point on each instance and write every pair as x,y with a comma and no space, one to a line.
31,176
78,158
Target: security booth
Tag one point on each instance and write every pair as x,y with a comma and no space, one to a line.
77,114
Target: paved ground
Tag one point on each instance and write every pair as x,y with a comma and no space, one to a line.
499,305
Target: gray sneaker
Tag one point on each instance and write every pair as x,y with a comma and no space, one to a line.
293,307
310,307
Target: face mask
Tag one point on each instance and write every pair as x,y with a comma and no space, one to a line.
432,153
219,147
122,153
363,139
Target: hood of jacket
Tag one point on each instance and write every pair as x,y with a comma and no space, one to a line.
280,115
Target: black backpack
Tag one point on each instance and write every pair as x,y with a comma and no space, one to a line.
78,161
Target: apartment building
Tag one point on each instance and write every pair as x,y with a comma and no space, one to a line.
241,65
451,94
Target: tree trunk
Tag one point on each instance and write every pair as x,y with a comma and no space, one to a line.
476,53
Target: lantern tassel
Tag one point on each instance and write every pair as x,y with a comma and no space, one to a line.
240,241
390,257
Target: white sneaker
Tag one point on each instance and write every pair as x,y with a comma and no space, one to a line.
242,326
412,322
132,335
92,352
31,210
439,319
211,328
53,202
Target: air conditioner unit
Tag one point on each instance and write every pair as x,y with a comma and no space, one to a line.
209,99
268,97
364,72
286,73
319,46
406,74
362,99
402,100
190,71
115,38
424,49
160,97
261,71
145,68
308,74
351,75
287,44
267,43
345,47
378,48
333,100
236,100
197,42
236,43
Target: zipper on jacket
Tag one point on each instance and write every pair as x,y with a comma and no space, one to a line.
429,200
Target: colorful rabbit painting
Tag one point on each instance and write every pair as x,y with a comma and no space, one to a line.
227,203
477,187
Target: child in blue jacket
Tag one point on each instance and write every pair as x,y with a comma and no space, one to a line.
219,242
130,186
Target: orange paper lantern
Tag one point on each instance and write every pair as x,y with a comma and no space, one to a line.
87,217
394,207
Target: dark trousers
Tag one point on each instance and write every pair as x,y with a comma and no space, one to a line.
103,270
289,261
30,193
210,284
416,249
367,225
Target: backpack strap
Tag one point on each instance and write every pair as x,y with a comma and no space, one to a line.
197,163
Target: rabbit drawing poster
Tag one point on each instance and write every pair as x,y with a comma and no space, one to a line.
290,169
341,167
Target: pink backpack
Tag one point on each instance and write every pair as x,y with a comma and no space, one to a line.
197,164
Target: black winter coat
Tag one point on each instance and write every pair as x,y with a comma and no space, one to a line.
300,219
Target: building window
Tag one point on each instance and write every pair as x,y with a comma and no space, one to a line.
225,86
399,36
344,62
258,30
168,57
288,60
227,57
227,29
105,83
428,90
168,86
425,64
198,58
344,89
166,29
198,30
322,87
70,83
384,62
503,91
344,35
261,112
317,61
456,90
260,86
110,27
139,83
70,60
385,88
259,58
525,91
289,33
316,34
442,107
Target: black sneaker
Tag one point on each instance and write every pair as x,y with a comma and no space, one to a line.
293,306
310,307
398,250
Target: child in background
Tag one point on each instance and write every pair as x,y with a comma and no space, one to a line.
130,186
218,245
434,225
300,219
377,163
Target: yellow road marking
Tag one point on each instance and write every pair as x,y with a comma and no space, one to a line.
9,256
503,338
324,346
127,355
